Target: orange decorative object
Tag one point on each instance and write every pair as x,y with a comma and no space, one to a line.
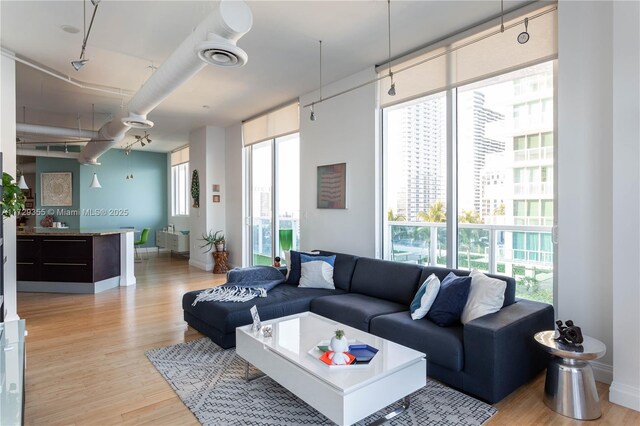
220,262
325,358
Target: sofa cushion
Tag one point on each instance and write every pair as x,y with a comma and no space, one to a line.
342,268
355,310
393,281
443,346
485,297
294,271
283,300
316,271
509,292
449,303
425,297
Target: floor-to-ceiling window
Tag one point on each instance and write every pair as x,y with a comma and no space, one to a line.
415,153
271,198
505,178
468,153
275,198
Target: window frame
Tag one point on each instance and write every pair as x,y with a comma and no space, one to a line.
175,193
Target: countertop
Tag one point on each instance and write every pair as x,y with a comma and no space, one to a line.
74,232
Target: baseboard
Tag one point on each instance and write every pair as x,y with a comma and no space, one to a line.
625,395
201,265
602,372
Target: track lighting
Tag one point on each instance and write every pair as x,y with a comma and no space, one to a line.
312,117
523,37
392,89
82,61
79,64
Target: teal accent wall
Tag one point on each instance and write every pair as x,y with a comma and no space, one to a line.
140,202
46,164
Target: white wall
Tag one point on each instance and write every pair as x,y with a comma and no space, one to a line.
625,389
599,184
344,131
8,147
234,217
207,155
584,143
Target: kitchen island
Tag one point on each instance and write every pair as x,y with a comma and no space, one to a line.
65,260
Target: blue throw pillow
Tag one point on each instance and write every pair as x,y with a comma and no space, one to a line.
449,304
293,277
317,271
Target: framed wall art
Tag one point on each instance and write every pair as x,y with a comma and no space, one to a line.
56,189
332,186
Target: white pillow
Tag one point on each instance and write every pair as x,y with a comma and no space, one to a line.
316,271
431,287
486,296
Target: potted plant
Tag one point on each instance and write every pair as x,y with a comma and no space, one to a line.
219,241
12,197
212,240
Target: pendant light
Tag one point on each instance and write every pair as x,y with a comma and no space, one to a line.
95,183
22,184
392,89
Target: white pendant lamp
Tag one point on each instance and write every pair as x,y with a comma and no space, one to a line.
95,183
22,184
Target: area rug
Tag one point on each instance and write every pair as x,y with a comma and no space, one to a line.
210,382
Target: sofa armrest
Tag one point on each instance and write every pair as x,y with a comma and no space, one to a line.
500,352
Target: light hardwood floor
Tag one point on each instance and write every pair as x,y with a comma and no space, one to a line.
86,362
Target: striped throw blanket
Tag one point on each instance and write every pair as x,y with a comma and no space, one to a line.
243,284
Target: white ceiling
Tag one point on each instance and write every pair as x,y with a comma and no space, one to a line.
128,36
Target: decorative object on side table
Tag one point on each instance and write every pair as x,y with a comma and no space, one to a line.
212,240
570,388
569,334
276,262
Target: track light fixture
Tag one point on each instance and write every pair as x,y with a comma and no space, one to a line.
79,63
392,89
523,37
312,116
82,61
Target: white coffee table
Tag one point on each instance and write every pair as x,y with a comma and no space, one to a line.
344,394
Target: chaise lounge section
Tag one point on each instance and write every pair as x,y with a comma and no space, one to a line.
489,357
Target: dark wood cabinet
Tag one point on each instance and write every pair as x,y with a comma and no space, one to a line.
62,263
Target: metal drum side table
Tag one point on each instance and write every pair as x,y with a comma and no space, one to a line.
570,388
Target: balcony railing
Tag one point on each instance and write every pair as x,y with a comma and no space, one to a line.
489,248
263,241
533,154
533,188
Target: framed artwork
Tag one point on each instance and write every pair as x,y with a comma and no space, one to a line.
216,187
56,189
28,204
332,186
216,198
26,193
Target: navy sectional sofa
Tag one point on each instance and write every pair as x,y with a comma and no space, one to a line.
488,357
